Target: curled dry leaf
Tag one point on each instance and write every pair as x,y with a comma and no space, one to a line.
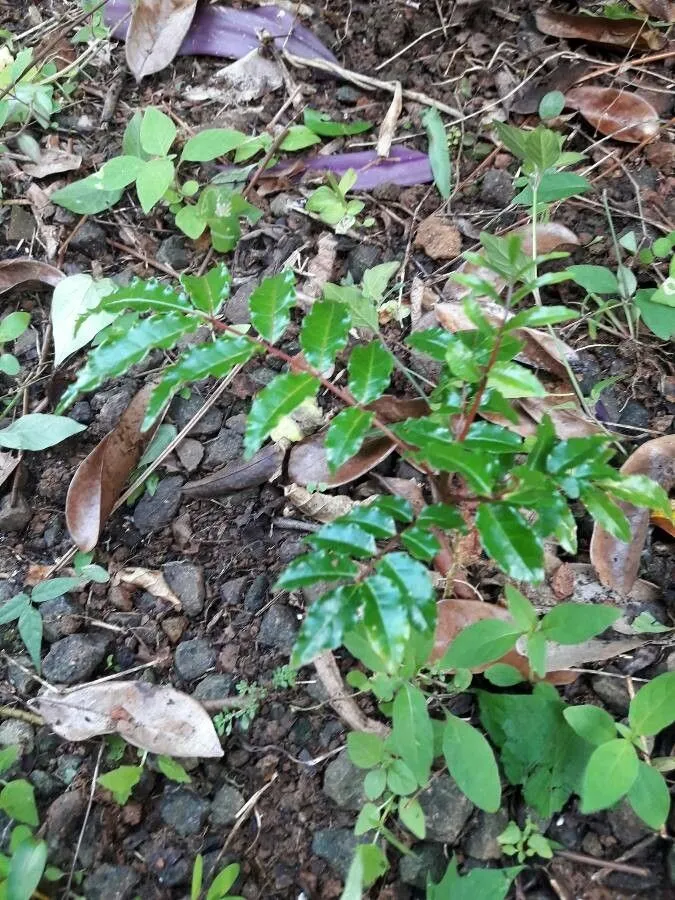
389,124
321,507
598,30
7,465
616,563
320,267
264,467
618,114
663,10
389,409
101,477
156,31
26,273
154,717
52,162
307,463
151,581
567,422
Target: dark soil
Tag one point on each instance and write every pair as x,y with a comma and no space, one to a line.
239,542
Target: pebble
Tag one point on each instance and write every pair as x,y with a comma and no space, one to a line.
280,204
89,239
60,617
237,423
190,453
187,582
225,448
635,414
337,847
111,883
46,786
446,810
481,842
111,410
426,861
232,591
193,658
169,866
173,627
497,188
361,258
20,679
181,411
14,518
671,863
612,692
626,827
74,658
81,412
213,687
173,251
15,733
225,806
256,595
278,628
157,510
183,810
343,782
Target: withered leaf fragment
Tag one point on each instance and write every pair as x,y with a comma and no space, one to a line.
598,30
621,115
155,34
264,467
26,273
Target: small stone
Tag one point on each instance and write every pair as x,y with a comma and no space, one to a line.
626,827
671,863
67,767
337,846
446,810
157,510
111,411
232,591
81,412
193,658
213,687
497,188
173,252
183,810
438,239
15,733
74,658
424,862
46,786
278,628
281,204
225,448
64,817
14,518
190,453
173,627
256,595
89,239
18,673
361,258
187,582
237,423
343,782
181,411
225,806
612,692
481,842
635,414
170,866
347,94
111,883
60,618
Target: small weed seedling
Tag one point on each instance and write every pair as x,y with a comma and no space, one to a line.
367,301
329,202
525,842
219,889
12,326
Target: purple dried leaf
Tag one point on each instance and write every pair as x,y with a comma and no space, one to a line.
231,33
404,167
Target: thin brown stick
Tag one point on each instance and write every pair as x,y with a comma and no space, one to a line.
608,864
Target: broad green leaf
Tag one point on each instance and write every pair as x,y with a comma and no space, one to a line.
503,675
37,431
513,381
74,297
471,762
492,438
121,782
13,325
397,507
415,587
324,332
345,435
592,723
653,707
432,342
321,124
279,398
606,513
153,181
157,132
173,770
314,567
86,196
326,622
131,139
197,877
400,780
372,518
215,359
554,186
26,868
639,490
365,750
478,884
573,452
344,537
412,732
54,587
144,295
190,222
411,815
537,653
299,137
650,797
212,143
368,865
594,279
209,292
12,608
375,783
8,756
17,800
421,543
658,318
375,280
362,309
480,643
539,316
221,884
370,367
551,105
30,630
9,364
439,155
510,541
574,623
384,618
610,773
522,611
119,172
443,515
271,303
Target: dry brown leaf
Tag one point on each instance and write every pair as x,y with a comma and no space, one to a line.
156,718
7,465
101,477
321,507
264,467
567,422
667,525
616,563
388,126
661,155
27,273
663,10
42,210
598,30
438,239
320,268
149,580
390,409
406,488
307,462
52,162
155,34
618,114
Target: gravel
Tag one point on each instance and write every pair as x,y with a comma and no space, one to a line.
278,628
446,810
111,883
158,510
183,810
74,658
61,617
343,783
187,582
225,806
193,658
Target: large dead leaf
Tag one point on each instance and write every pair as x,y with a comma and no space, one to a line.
27,273
618,114
155,34
567,422
664,10
616,563
264,467
307,463
598,30
101,477
53,161
154,717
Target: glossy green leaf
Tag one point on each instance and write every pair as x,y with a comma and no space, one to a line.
594,279
650,797
144,295
325,623
503,675
209,292
37,431
653,707
279,398
372,518
344,537
513,380
321,124
119,172
385,619
152,182
592,723
324,333
540,316
610,773
480,643
432,342
639,490
421,543
345,436
370,367
523,612
574,623
443,515
439,154
365,750
86,197
537,653
13,325
26,868
415,587
412,733
571,453
471,762
314,567
121,782
157,132
17,800
510,541
492,438
212,143
411,815
606,513
271,303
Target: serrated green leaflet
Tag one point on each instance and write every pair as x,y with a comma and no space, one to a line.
344,537
653,707
373,519
208,292
412,734
324,333
421,543
509,540
278,399
415,586
150,295
313,567
443,515
216,359
325,623
345,435
384,618
370,367
271,303
472,764
610,773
